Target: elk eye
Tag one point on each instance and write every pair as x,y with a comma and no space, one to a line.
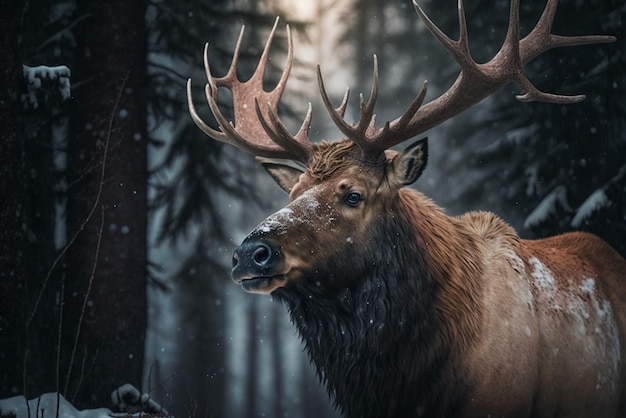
353,198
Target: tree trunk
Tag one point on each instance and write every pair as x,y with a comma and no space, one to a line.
105,292
276,339
196,385
252,365
12,216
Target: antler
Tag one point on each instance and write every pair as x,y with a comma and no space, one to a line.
474,83
257,127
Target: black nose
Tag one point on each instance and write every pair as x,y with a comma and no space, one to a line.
262,255
254,259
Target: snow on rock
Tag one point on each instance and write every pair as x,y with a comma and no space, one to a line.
596,201
128,398
48,405
548,207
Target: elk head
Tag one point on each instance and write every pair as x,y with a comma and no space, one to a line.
330,233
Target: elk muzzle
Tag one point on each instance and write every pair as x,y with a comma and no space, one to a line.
257,266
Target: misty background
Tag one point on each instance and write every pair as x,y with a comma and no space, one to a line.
119,216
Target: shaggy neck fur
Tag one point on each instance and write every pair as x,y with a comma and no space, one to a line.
388,342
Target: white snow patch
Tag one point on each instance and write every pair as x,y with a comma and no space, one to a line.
577,308
544,280
307,201
45,406
522,291
516,261
588,286
603,309
277,222
300,210
591,315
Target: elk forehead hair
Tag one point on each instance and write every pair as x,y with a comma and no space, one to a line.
329,157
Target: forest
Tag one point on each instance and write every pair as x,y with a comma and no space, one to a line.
119,215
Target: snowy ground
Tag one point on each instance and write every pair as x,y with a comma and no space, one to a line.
53,405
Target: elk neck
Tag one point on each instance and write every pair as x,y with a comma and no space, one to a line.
421,292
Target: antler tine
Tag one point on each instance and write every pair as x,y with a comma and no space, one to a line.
474,83
211,94
253,107
259,73
539,40
297,144
344,102
335,114
367,109
215,134
367,118
361,131
512,46
231,74
459,50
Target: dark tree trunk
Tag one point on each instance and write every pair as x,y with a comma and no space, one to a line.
12,215
44,187
105,292
252,366
276,340
196,387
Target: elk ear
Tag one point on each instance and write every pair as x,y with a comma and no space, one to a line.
286,176
406,166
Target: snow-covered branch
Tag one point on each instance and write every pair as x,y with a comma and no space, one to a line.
47,84
548,207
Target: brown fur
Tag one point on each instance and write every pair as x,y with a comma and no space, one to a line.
329,158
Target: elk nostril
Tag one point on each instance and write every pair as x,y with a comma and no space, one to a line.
261,255
235,260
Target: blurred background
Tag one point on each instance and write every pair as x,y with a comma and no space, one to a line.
119,216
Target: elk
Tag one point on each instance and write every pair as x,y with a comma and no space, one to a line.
404,310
